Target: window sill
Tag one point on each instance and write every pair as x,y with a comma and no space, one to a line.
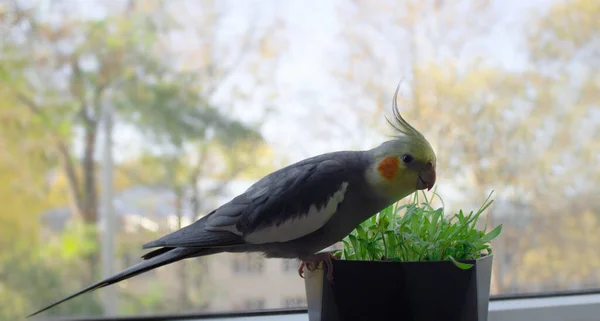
584,307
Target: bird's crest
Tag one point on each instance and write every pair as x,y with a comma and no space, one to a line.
399,123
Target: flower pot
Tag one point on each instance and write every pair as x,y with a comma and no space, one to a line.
382,290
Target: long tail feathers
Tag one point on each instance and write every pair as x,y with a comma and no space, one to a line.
164,257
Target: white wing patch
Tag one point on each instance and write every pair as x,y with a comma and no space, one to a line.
302,225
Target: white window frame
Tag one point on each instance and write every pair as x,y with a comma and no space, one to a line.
572,307
585,307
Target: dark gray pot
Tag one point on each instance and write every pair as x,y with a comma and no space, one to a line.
415,291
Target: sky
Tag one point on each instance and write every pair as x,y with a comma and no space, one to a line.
305,86
306,89
307,92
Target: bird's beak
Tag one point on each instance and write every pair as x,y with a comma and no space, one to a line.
426,178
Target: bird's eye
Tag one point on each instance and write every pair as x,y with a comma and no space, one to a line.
406,158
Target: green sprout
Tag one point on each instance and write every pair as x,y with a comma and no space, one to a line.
422,233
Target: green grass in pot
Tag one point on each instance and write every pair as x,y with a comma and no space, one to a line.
416,232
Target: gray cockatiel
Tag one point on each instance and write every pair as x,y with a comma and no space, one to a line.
301,209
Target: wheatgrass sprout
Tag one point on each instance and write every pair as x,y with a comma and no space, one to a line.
417,232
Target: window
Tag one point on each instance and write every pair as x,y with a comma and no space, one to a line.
247,264
253,304
294,302
131,257
123,121
291,265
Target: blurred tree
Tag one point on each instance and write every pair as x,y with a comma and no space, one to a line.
482,118
228,148
59,69
23,189
563,48
29,274
27,278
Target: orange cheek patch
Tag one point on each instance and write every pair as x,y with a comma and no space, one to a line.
388,167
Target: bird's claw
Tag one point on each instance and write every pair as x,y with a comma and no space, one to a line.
301,269
308,265
321,257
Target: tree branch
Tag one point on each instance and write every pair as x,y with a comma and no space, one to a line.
33,107
90,201
72,178
64,155
97,103
77,90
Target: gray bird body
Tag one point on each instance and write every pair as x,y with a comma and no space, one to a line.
300,209
285,195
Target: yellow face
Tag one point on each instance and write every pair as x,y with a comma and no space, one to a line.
402,168
403,165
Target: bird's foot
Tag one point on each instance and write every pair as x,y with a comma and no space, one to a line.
324,257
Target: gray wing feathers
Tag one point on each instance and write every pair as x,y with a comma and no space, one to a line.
292,192
276,198
196,235
225,217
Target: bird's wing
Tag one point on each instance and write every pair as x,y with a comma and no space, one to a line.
197,235
287,204
284,205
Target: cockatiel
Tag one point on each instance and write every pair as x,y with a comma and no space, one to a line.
301,209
